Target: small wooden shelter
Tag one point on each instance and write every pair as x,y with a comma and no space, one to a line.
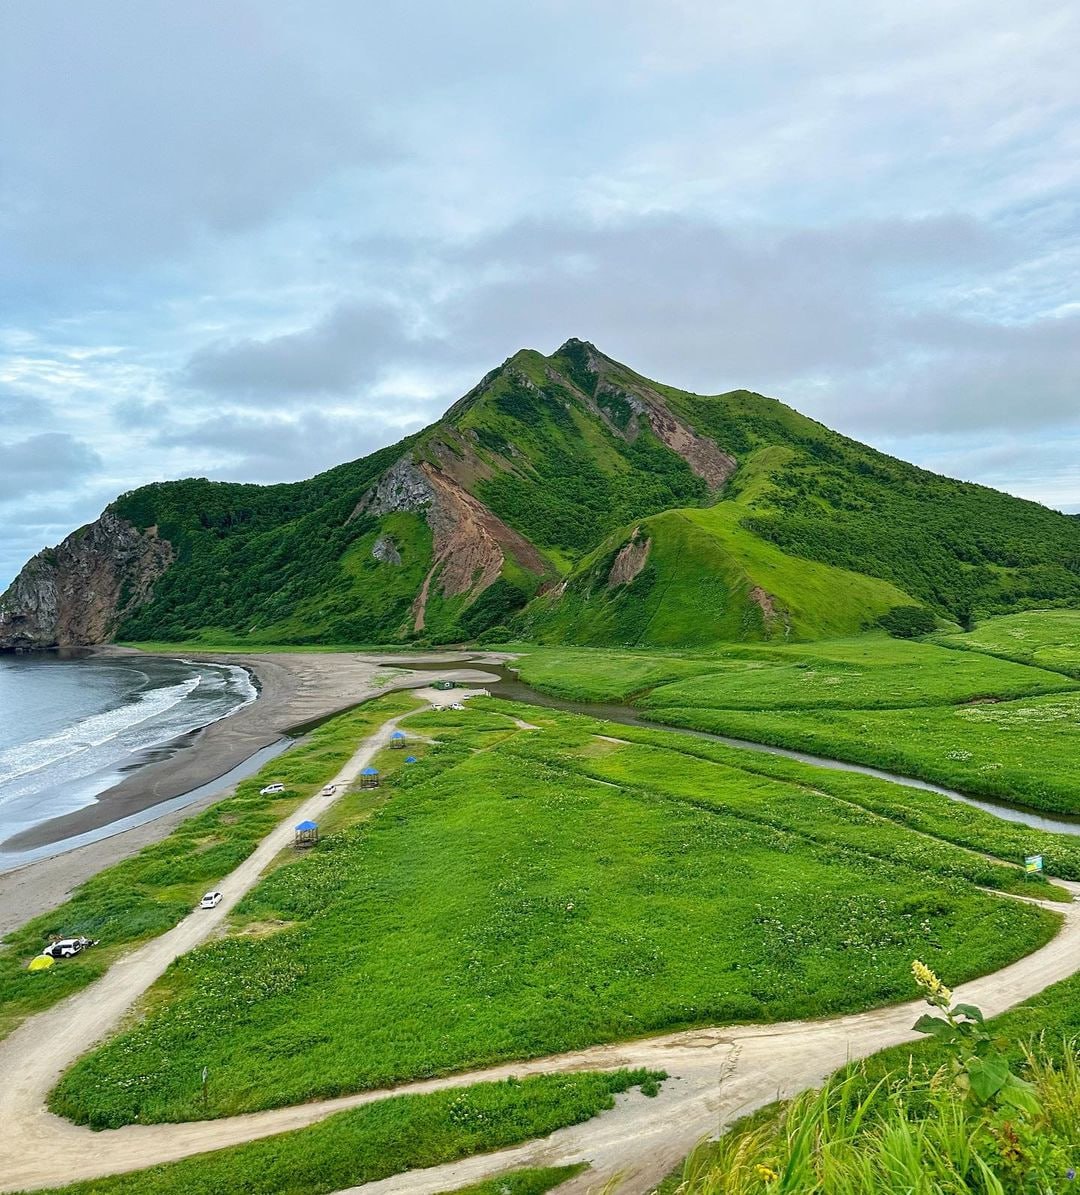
369,778
307,834
397,739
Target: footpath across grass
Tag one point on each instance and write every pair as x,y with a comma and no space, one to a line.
390,1136
147,894
525,892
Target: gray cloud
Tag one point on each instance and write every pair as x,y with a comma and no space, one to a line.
344,349
43,463
413,192
280,448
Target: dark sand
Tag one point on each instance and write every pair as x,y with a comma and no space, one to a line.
295,688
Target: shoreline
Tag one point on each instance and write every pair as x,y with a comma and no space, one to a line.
296,689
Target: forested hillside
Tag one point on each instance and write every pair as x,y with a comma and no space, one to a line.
568,498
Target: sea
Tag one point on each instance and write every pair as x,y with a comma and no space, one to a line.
73,725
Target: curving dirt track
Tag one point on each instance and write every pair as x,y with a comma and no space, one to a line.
716,1074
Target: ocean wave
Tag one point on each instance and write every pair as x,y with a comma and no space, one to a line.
92,731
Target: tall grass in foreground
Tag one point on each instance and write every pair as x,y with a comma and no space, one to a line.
911,1137
973,1126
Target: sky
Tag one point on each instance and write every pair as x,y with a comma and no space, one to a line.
250,240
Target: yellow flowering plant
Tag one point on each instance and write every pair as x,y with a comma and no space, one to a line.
979,1067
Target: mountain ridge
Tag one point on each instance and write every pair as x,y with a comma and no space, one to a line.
544,502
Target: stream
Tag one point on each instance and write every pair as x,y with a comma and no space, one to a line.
506,684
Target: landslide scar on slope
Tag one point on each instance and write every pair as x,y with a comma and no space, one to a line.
630,560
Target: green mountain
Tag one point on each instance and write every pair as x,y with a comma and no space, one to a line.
564,498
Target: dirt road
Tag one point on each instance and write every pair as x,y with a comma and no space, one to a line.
716,1074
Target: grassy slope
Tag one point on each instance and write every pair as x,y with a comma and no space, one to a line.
289,563
965,549
515,896
697,588
390,1136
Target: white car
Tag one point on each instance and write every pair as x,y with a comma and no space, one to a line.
210,900
329,790
271,788
457,706
67,947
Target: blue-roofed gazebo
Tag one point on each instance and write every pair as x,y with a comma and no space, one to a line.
307,834
397,739
369,778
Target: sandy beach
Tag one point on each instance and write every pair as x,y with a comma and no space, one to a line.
295,688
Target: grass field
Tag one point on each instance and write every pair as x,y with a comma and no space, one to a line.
1023,751
985,725
390,1136
525,892
1048,638
867,672
150,892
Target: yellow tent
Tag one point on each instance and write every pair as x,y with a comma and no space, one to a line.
42,963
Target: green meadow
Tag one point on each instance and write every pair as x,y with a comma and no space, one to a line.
524,892
957,715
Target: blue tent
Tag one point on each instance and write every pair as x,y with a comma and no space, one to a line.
410,759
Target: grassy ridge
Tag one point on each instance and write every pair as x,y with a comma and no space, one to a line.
390,1136
150,892
509,899
706,580
814,535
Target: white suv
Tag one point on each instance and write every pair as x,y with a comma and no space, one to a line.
271,788
66,947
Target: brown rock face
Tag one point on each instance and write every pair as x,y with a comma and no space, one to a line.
630,560
80,591
470,543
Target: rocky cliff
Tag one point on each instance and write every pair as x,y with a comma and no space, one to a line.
80,591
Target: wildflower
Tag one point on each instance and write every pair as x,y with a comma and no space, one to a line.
766,1173
936,992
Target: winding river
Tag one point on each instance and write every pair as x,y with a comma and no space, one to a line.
505,683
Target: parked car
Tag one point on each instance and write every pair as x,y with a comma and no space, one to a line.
271,788
66,947
210,900
457,706
329,790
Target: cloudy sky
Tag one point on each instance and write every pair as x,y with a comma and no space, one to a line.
250,239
